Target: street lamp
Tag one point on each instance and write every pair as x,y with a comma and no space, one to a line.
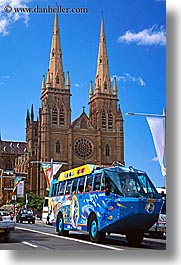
157,126
145,114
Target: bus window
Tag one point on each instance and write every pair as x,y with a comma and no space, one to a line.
62,188
74,186
54,189
81,184
109,185
97,182
59,185
89,183
68,186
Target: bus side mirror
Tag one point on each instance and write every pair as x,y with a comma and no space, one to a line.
107,191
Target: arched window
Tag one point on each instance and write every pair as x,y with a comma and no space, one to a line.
57,80
57,147
105,85
53,53
83,124
110,120
107,150
103,119
9,165
62,116
54,116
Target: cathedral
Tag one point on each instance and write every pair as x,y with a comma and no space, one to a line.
96,138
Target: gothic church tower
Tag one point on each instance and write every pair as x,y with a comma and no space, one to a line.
105,114
55,112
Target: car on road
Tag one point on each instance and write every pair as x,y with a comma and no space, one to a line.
159,228
6,224
25,215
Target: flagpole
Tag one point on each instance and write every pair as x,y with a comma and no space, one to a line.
164,156
163,116
51,176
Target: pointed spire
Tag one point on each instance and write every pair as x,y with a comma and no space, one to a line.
102,64
55,28
32,113
43,86
102,35
56,76
115,90
28,115
48,81
90,90
68,81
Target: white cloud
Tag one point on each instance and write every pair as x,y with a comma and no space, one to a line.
151,36
3,79
126,77
77,85
7,19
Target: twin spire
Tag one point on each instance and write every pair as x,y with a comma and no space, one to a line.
102,80
55,75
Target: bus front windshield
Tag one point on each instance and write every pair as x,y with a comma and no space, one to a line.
132,184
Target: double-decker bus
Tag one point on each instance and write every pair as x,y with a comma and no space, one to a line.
104,200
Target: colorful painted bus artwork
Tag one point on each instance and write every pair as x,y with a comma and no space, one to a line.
104,200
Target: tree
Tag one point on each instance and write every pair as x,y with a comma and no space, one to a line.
35,202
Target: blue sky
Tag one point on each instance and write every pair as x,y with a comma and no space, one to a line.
136,46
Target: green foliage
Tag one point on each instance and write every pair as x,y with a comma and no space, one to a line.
21,202
35,201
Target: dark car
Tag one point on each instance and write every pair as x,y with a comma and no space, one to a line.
25,215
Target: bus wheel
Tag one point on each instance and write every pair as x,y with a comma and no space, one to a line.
134,239
95,235
60,226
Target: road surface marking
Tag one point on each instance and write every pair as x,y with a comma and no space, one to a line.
69,238
29,244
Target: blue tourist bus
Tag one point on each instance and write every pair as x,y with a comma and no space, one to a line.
104,200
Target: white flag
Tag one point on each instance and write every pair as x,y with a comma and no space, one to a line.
55,168
157,127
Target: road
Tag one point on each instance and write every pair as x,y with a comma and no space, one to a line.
41,236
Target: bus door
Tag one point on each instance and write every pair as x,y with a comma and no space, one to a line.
111,198
77,202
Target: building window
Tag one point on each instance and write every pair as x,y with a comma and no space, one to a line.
53,53
103,120
110,120
58,147
83,124
57,80
83,148
54,116
36,132
107,150
105,85
62,116
9,165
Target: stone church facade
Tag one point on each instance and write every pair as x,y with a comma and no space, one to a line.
97,138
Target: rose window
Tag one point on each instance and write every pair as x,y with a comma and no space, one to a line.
83,148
